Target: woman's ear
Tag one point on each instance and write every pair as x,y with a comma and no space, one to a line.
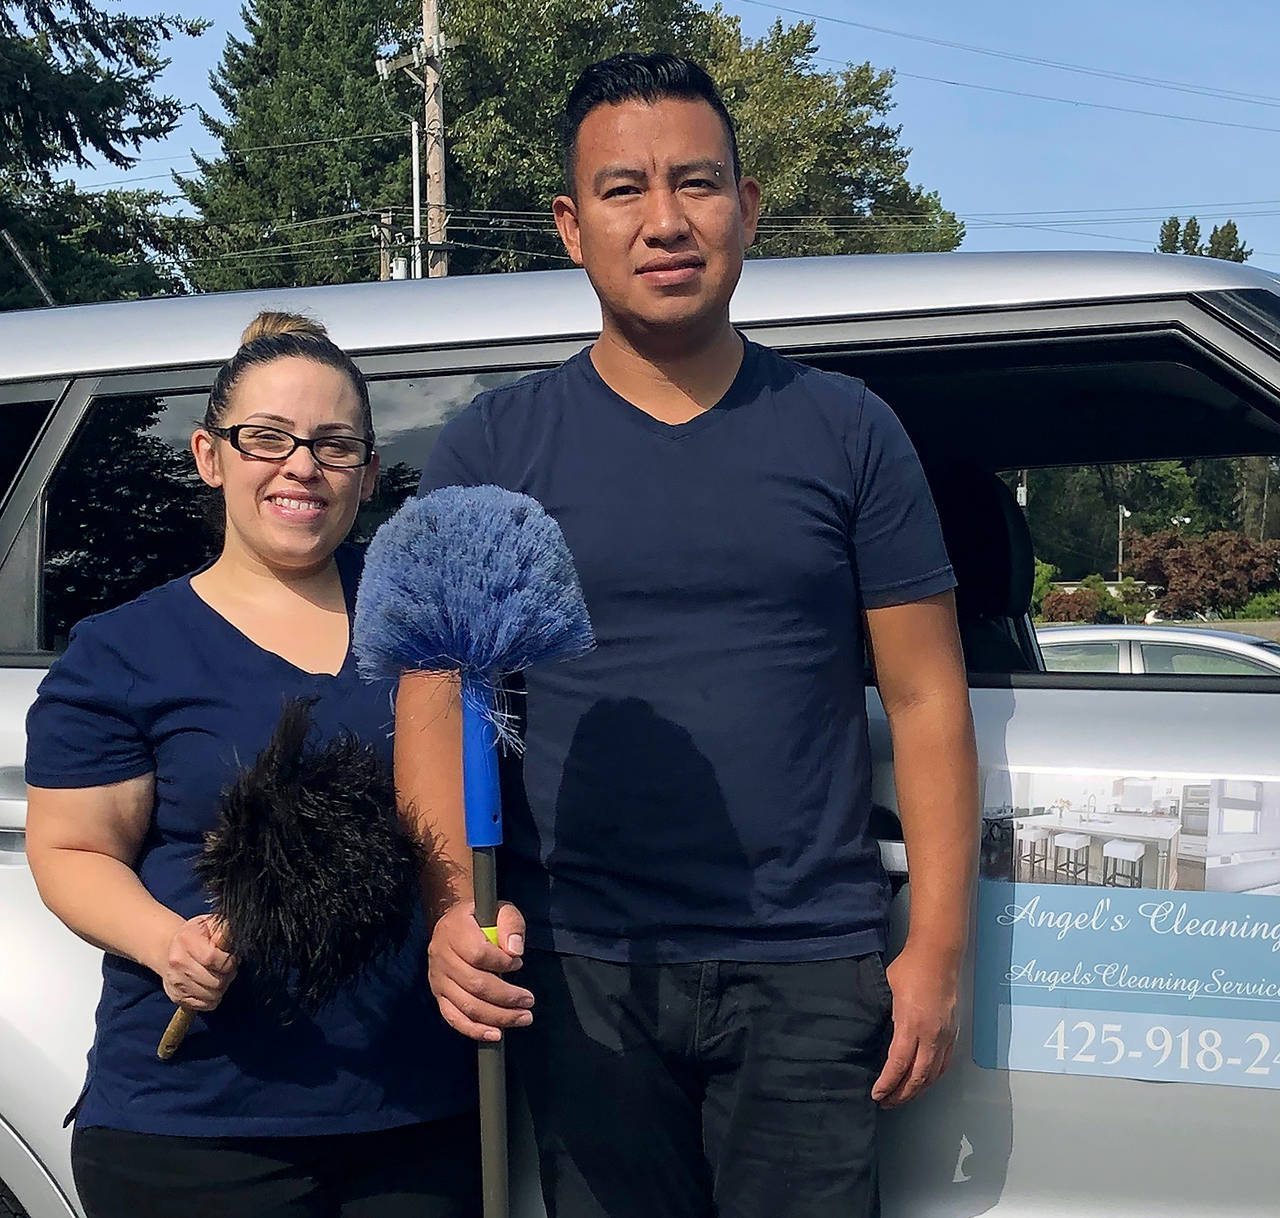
369,483
208,463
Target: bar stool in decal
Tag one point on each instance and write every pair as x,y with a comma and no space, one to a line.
1033,850
1071,857
1122,863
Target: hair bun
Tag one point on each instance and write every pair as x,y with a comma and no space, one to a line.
270,324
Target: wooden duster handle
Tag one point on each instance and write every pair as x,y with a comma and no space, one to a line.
175,1033
182,1019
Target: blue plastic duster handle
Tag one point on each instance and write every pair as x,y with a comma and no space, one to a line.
480,768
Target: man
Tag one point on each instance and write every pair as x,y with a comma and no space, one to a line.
704,903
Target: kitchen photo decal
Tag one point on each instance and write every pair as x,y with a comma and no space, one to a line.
1125,926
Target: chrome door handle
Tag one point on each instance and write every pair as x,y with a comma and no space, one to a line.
13,814
893,857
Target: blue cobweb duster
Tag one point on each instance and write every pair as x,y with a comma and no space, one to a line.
474,580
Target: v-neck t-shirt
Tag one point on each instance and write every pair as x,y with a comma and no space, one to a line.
166,684
698,787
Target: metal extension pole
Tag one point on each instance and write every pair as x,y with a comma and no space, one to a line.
492,1058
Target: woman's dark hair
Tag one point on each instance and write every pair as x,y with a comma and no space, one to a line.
634,77
271,336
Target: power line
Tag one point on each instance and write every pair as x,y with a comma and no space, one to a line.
1073,101
1157,82
228,153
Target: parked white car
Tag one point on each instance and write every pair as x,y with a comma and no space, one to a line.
994,363
1184,651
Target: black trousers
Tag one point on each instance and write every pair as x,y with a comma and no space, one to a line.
429,1170
692,1090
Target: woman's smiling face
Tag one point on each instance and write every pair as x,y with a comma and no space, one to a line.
290,513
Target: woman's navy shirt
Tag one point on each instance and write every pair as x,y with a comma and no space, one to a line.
166,684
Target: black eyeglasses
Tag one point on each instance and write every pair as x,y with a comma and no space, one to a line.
272,444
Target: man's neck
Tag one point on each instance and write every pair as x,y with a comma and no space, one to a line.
672,381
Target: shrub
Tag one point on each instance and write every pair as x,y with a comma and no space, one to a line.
1261,607
1046,573
1083,605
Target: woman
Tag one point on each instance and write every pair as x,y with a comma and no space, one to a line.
364,1108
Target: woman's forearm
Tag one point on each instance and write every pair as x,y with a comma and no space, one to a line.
103,901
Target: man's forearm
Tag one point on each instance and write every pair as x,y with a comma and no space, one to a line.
935,769
428,776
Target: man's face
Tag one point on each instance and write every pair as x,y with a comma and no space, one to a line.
658,222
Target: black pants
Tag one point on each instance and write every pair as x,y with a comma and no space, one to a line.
685,1091
417,1171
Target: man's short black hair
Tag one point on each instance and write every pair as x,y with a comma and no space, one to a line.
634,77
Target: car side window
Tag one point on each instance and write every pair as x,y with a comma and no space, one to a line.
1155,552
1081,657
20,423
1188,660
125,510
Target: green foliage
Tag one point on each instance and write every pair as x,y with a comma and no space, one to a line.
304,73
1134,600
1072,511
78,80
1042,585
822,145
1224,241
820,141
87,246
1262,607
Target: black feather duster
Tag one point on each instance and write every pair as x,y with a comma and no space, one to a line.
310,868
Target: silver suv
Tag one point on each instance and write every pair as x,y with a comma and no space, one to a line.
1104,793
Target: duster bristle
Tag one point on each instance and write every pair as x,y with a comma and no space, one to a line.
477,580
310,867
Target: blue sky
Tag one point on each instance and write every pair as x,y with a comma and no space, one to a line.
1024,173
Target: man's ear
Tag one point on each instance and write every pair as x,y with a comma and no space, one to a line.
565,210
749,202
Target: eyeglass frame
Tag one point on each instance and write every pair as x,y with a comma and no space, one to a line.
232,436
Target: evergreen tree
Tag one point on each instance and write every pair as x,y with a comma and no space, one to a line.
820,141
78,82
1224,240
1190,243
1225,243
313,147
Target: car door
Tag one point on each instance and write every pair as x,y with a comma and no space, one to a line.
1071,1094
101,506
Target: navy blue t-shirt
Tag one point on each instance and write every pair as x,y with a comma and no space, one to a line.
698,786
165,684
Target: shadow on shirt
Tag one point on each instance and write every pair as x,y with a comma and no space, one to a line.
642,850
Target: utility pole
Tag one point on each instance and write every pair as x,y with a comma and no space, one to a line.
1124,511
382,230
417,204
426,58
433,110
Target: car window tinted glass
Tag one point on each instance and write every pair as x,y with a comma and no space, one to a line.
20,423
1081,657
1188,660
125,510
